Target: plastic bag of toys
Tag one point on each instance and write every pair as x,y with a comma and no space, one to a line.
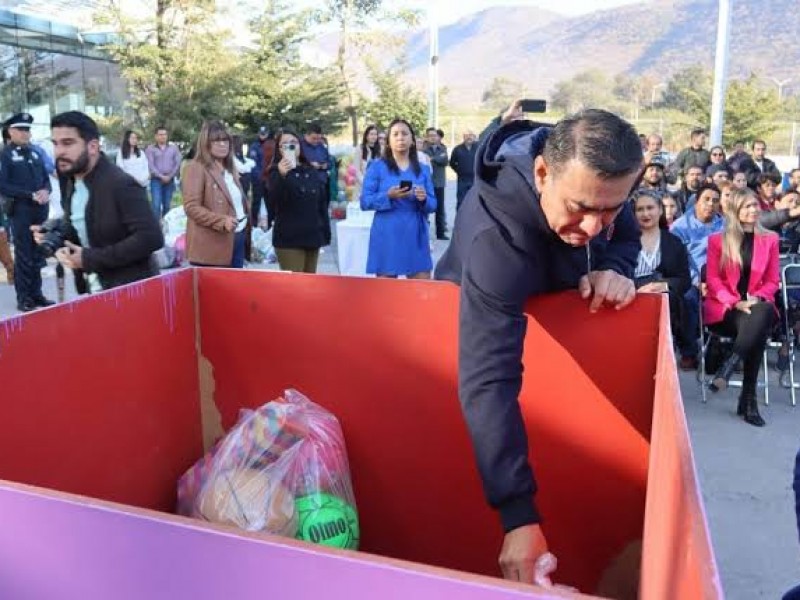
282,470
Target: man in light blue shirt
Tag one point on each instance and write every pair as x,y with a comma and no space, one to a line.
693,229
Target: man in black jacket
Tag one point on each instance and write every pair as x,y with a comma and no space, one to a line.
758,163
462,161
541,199
111,229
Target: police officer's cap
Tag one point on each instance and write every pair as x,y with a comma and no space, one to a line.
21,120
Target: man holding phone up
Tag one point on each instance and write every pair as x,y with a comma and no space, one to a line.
316,152
543,196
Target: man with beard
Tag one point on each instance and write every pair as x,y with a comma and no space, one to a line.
759,164
691,183
693,155
110,230
25,187
653,178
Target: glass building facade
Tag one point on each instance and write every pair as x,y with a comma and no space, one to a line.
47,67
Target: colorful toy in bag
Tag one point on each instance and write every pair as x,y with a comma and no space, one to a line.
282,470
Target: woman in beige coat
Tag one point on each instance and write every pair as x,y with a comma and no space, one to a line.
214,202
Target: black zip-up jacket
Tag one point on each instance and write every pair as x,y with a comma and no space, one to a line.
300,205
462,161
502,253
122,229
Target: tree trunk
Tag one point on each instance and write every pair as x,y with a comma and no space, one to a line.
342,60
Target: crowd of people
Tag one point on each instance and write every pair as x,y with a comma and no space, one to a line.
734,216
585,204
285,180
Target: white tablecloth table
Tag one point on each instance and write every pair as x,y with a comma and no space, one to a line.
352,240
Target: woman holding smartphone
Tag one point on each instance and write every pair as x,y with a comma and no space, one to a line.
743,277
299,201
214,202
400,191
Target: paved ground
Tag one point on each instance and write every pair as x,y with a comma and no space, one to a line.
745,472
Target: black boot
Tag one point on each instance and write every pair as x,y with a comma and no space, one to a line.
720,381
743,399
751,412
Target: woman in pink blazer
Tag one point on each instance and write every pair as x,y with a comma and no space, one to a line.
743,277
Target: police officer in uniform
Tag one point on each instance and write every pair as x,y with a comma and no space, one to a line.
25,188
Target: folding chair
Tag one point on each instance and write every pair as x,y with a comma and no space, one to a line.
790,280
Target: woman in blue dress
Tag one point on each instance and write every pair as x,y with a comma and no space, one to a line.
400,191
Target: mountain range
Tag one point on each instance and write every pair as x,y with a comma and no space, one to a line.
540,48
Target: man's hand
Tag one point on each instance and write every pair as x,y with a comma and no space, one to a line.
38,236
71,256
522,547
609,287
513,113
165,179
42,197
654,287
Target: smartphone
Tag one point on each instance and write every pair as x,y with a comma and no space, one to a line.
533,106
291,156
405,185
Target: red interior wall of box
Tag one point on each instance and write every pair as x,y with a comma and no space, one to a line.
382,356
100,396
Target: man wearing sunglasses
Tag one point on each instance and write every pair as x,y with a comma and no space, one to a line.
549,211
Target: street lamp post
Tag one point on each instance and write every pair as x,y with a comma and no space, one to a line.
433,68
653,95
720,71
780,85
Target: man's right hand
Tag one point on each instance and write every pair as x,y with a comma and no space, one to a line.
38,236
513,113
522,547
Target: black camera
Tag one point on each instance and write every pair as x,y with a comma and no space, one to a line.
55,234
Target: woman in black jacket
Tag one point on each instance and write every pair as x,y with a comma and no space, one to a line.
663,264
299,202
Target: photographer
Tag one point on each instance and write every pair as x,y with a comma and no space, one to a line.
108,233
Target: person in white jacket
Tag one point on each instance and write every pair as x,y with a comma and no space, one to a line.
132,159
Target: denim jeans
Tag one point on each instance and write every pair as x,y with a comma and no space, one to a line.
237,262
161,196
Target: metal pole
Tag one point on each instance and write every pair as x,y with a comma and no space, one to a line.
433,68
720,71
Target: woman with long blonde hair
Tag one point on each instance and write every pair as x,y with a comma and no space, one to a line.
743,277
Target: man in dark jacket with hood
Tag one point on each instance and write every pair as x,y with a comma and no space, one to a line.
541,199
